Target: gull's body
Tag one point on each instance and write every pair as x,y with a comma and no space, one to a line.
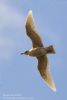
39,51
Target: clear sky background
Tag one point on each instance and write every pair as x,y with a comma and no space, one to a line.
19,74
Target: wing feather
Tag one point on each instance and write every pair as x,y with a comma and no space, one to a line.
31,31
45,72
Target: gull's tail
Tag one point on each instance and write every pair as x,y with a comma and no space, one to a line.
50,49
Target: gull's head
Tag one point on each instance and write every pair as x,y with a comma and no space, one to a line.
26,53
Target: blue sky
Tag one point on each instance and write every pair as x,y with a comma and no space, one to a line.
19,74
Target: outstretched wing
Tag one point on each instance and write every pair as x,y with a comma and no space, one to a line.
31,31
45,72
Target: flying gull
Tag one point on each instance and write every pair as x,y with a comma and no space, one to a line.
39,51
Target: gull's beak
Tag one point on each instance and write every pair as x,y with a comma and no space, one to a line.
22,53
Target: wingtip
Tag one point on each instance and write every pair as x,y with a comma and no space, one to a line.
53,88
49,81
29,16
30,12
30,20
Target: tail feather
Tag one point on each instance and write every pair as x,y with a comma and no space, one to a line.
50,49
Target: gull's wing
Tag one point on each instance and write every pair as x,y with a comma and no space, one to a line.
45,72
31,31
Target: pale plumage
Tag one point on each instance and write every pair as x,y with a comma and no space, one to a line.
39,51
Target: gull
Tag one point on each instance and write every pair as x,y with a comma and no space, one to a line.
39,51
